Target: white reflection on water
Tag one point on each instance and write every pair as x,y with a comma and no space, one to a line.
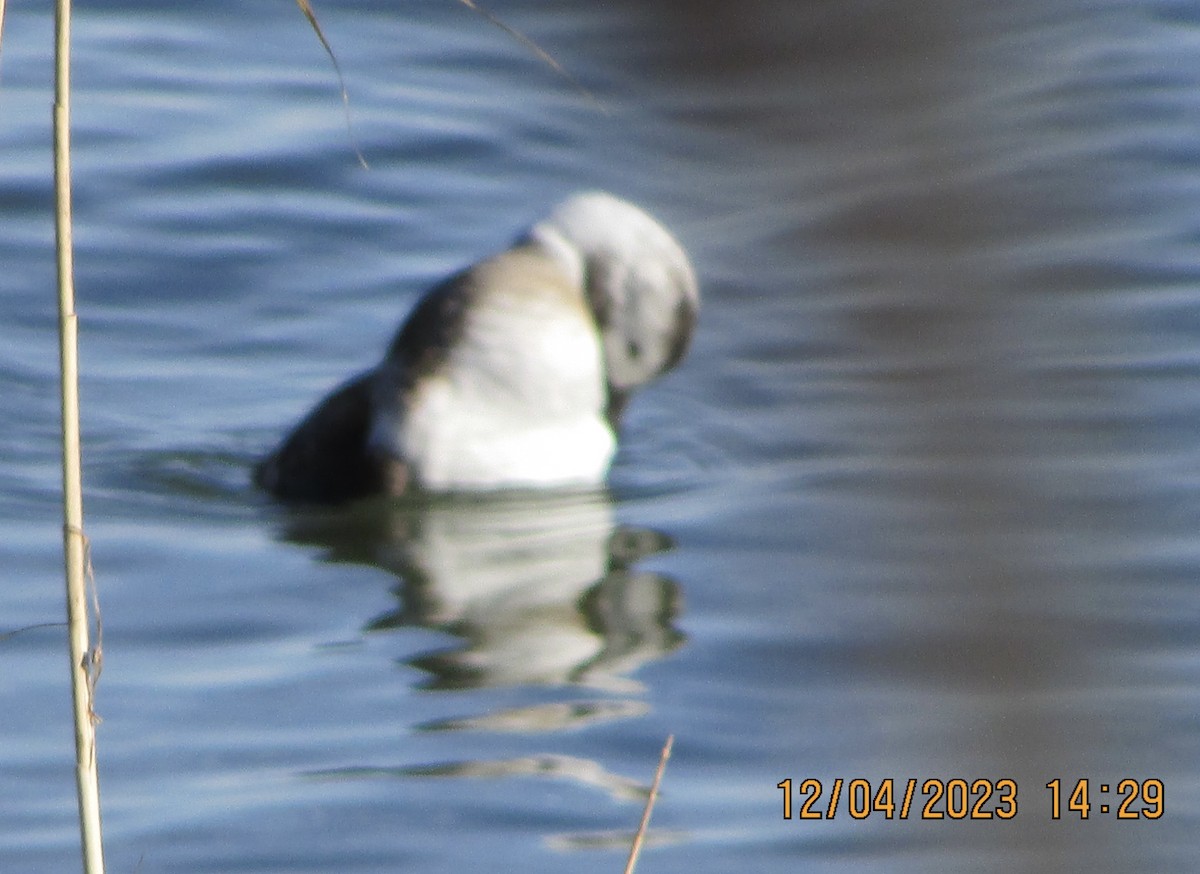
541,590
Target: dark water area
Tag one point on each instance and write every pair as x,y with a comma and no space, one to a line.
921,503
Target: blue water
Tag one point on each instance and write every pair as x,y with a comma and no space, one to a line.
921,503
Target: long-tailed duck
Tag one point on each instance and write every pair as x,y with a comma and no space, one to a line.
510,374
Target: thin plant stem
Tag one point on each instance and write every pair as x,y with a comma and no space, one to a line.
84,660
543,55
640,837
306,8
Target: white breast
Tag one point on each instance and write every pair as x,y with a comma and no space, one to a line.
519,399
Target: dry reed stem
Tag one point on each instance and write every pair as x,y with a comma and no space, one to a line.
640,837
84,660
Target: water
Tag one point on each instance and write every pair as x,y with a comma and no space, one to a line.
921,503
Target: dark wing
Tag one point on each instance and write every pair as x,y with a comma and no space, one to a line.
326,459
435,324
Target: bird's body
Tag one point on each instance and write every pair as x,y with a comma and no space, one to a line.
510,374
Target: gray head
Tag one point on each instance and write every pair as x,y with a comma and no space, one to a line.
637,278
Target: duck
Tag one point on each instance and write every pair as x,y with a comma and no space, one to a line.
512,374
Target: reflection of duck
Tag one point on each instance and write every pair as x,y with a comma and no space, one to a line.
542,588
512,373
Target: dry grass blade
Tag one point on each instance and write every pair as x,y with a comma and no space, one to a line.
530,44
94,658
307,9
640,837
1,27
5,635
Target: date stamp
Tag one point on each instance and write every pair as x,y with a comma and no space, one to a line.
981,798
916,799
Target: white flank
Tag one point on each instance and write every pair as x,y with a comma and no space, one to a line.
519,400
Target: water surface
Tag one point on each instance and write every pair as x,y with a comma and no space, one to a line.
921,503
